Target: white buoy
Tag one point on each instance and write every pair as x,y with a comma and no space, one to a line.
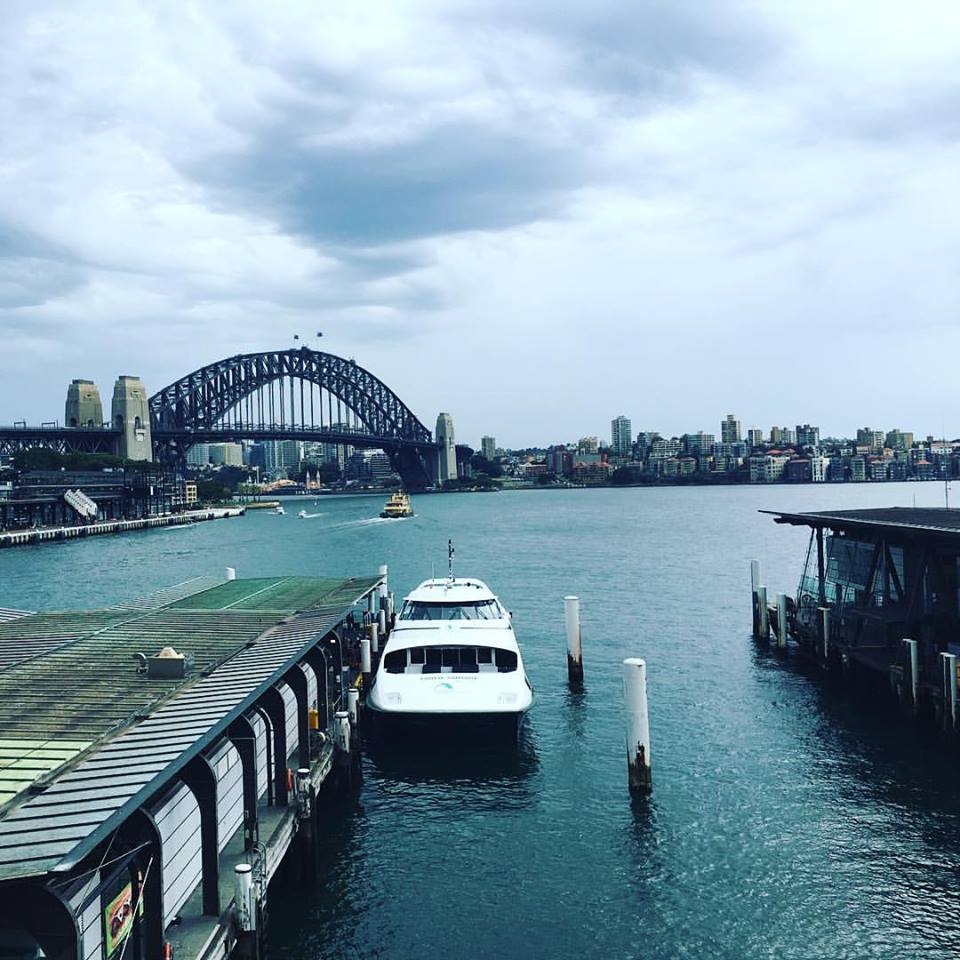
763,614
231,573
782,621
353,705
365,660
638,727
243,897
374,638
949,661
571,610
913,669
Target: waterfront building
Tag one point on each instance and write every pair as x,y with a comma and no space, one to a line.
588,445
808,436
698,444
898,440
818,468
755,437
858,469
83,407
768,467
730,431
560,461
446,449
798,470
598,472
488,447
621,436
661,449
870,438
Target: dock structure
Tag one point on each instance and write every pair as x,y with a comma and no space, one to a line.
879,597
150,749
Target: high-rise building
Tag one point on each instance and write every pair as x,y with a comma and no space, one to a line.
488,447
446,449
808,436
730,431
755,437
226,454
279,455
199,455
776,436
898,440
868,437
621,436
788,437
83,407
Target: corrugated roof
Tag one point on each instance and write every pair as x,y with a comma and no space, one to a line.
58,827
932,520
70,680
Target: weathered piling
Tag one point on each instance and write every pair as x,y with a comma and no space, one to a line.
782,621
248,940
305,832
754,586
763,615
341,745
353,711
571,609
637,725
911,673
949,676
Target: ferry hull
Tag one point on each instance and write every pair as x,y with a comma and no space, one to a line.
446,727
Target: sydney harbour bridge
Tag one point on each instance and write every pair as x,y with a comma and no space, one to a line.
294,394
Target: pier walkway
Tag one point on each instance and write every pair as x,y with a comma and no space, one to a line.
17,538
133,778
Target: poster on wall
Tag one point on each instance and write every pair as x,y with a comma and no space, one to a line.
118,919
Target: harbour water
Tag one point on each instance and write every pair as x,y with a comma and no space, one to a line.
786,821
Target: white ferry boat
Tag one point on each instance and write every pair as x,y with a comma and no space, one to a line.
451,665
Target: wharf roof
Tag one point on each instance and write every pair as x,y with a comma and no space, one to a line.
906,521
85,738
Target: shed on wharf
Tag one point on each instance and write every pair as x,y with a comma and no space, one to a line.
880,595
132,784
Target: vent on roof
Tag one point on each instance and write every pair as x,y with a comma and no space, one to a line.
167,665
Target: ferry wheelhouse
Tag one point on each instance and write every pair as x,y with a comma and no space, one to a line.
452,664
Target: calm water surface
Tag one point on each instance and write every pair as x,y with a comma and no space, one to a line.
785,822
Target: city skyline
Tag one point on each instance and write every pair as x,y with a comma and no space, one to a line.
669,201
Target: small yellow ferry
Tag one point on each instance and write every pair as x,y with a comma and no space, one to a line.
397,506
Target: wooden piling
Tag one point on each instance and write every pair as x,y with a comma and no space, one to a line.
823,633
911,673
754,586
763,615
949,676
782,621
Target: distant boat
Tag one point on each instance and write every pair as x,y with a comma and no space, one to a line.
302,514
279,511
397,506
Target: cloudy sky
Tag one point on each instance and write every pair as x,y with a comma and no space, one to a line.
533,219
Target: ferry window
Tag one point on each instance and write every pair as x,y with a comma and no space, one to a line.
484,655
416,654
506,661
396,662
433,656
476,610
468,656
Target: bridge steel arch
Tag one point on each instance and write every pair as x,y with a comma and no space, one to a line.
215,403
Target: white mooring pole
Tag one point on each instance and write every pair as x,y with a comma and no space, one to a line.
823,622
571,610
383,580
374,638
949,661
365,662
913,669
231,573
243,897
382,618
782,621
763,614
638,727
353,705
